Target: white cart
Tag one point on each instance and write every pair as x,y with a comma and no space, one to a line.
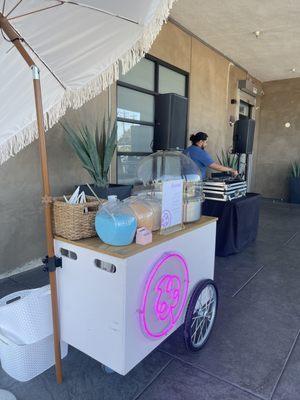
117,304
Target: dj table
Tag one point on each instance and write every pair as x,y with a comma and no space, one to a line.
237,222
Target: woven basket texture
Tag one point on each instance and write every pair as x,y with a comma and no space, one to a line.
75,221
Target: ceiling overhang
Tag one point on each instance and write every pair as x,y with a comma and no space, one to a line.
261,36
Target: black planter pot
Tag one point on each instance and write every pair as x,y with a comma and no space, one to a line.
121,191
295,190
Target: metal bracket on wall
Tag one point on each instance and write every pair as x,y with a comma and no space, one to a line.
51,263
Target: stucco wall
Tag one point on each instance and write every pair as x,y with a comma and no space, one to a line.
22,236
278,146
213,82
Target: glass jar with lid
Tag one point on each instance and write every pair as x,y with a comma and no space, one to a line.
163,166
115,223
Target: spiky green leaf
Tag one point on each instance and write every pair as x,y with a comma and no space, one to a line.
295,170
93,148
110,148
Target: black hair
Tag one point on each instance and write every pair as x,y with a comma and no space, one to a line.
195,138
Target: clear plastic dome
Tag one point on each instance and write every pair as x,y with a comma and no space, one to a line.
162,166
167,165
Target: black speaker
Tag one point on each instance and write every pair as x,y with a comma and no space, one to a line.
243,136
170,122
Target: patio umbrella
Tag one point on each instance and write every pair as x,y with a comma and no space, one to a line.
75,50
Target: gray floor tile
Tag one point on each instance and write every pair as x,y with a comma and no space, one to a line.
277,285
276,236
84,379
279,219
183,382
257,252
267,204
232,272
8,286
289,384
247,347
294,243
32,279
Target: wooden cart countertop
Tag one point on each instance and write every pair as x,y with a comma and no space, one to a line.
96,244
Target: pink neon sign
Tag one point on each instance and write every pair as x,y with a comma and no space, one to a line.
165,295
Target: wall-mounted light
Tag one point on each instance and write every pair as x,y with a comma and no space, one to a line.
231,120
257,33
293,69
287,124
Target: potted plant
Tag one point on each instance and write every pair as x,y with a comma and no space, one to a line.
294,183
95,148
228,160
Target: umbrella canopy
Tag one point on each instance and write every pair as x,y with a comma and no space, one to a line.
75,49
79,48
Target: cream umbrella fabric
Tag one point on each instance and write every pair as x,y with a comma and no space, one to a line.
79,47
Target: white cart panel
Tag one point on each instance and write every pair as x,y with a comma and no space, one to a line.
198,249
100,310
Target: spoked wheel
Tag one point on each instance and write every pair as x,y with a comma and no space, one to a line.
201,314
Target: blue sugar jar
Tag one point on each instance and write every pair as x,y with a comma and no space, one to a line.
115,223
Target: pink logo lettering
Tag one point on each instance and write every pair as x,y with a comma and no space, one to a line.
168,289
165,295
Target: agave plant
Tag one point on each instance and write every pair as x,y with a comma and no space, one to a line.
95,148
295,170
228,159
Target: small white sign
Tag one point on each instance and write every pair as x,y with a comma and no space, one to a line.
172,202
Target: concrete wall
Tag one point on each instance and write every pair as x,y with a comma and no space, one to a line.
213,82
278,146
22,238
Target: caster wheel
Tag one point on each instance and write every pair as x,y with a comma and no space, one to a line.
201,314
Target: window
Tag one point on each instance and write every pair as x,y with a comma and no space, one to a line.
171,81
134,105
141,75
244,110
136,93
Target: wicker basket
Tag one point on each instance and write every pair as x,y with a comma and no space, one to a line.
71,221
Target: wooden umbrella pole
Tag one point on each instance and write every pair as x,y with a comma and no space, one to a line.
17,41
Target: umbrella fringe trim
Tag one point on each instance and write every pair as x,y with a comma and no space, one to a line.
76,98
18,142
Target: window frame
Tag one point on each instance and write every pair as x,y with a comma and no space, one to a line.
157,62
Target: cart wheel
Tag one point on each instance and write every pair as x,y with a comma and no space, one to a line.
201,314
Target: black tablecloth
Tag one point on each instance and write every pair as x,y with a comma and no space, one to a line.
237,224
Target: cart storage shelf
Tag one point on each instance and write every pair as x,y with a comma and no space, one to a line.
108,306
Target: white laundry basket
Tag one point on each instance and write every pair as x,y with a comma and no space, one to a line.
26,361
27,314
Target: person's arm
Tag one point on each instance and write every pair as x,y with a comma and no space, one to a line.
222,168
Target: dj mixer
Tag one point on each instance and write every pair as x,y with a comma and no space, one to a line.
224,188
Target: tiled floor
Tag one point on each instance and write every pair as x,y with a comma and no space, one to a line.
254,349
